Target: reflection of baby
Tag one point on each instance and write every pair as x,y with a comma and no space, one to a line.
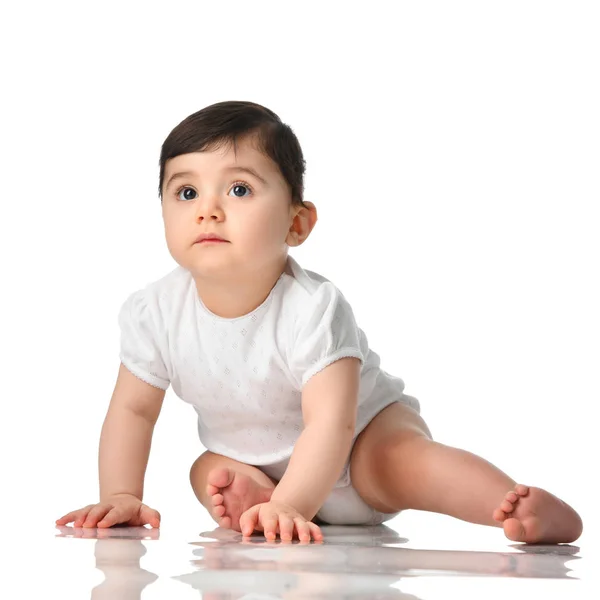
118,558
301,424
355,562
239,571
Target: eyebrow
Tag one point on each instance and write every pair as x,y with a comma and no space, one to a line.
239,168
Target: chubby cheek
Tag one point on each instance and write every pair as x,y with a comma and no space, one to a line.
175,241
264,237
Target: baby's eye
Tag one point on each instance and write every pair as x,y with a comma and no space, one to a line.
235,188
184,189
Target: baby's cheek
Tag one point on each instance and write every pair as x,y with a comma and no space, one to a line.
264,244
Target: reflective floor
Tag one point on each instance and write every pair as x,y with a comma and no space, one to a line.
417,555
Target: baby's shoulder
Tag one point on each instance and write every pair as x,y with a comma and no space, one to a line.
306,292
160,296
173,285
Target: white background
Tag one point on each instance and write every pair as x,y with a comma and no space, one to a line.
452,152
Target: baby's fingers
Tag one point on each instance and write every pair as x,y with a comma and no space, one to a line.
249,520
307,529
269,524
303,529
74,515
286,528
316,532
150,516
112,517
96,514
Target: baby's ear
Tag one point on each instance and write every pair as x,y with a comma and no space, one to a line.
302,224
312,214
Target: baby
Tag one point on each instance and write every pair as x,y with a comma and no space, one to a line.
301,424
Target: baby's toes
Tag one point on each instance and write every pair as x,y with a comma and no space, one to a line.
506,507
217,499
499,515
219,511
225,522
521,489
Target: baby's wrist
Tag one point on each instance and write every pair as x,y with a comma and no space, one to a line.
291,502
119,496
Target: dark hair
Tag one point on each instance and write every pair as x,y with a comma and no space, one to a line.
226,122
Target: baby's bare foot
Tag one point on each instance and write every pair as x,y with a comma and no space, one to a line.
533,515
233,494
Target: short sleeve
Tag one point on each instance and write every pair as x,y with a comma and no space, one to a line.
140,350
326,332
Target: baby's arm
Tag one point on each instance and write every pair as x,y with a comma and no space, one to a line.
127,435
123,456
329,405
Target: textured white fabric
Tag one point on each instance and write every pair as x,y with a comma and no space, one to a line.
244,376
343,506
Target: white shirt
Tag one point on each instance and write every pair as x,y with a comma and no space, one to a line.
244,376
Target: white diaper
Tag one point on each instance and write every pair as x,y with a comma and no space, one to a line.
343,506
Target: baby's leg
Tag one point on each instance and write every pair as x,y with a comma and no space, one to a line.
227,488
395,465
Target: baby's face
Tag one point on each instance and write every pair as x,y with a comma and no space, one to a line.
252,212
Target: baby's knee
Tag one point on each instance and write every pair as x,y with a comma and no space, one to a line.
201,465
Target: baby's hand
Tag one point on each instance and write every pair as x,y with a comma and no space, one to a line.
119,509
273,517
